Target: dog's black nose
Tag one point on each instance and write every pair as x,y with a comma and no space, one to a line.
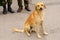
40,8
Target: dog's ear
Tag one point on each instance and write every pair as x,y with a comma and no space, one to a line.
44,6
36,7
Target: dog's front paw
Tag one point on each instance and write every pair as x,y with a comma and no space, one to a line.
39,36
28,35
45,33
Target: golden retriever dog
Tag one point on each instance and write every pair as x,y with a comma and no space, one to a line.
35,19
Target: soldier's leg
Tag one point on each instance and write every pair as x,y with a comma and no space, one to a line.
4,6
26,3
19,5
9,6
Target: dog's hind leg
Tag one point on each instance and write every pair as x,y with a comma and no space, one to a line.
26,29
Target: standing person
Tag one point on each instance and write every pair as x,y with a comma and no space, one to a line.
8,2
26,4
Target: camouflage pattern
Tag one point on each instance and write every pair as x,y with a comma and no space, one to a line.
0,2
20,2
6,1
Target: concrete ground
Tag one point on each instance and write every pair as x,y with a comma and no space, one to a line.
52,22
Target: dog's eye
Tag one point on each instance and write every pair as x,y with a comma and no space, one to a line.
42,5
38,5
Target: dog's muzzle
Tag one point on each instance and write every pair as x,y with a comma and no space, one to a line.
41,9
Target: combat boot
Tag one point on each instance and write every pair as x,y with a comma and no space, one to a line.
4,9
27,8
10,9
20,9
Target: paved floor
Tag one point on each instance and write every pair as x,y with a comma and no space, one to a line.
52,22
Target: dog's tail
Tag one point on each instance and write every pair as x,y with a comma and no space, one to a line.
17,30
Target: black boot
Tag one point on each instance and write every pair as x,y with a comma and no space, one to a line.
27,8
4,9
10,9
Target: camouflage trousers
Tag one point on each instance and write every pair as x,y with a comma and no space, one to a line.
6,1
26,2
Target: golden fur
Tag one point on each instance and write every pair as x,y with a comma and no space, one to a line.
35,19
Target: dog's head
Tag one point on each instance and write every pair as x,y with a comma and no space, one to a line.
40,6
